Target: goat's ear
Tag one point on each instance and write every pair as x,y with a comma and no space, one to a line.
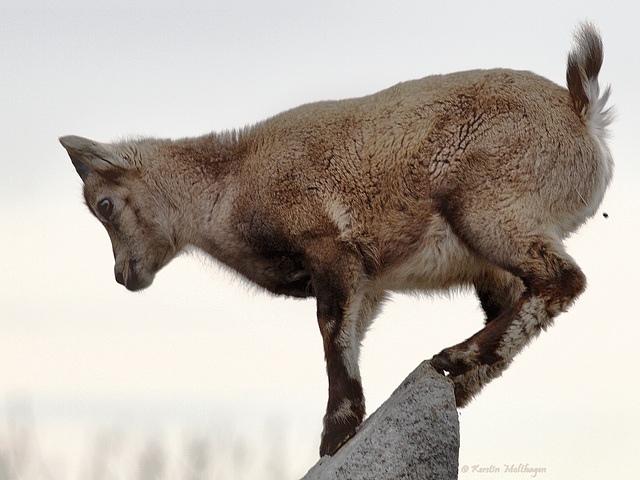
87,156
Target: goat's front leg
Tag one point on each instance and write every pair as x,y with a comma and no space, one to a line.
345,407
339,305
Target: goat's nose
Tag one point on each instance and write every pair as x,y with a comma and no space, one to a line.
120,278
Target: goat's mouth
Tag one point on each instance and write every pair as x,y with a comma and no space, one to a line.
131,278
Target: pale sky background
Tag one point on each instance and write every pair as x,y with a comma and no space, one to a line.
200,353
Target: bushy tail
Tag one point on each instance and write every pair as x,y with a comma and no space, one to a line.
583,66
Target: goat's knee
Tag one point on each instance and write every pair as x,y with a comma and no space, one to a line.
558,280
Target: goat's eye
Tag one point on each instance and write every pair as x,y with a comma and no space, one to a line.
105,208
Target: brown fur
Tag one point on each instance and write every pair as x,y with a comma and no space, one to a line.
472,178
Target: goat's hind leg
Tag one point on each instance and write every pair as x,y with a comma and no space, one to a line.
551,282
498,292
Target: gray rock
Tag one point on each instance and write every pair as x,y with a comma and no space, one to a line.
414,435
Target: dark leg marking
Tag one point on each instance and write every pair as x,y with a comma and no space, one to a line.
339,305
479,359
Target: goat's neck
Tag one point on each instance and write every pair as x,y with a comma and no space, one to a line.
199,178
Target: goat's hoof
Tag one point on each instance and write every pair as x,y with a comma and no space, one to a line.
438,366
445,362
333,440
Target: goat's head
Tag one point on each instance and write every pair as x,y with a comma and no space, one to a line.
135,215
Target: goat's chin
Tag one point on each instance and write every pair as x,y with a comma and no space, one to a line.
137,282
136,287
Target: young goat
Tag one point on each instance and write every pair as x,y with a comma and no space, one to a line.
467,179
